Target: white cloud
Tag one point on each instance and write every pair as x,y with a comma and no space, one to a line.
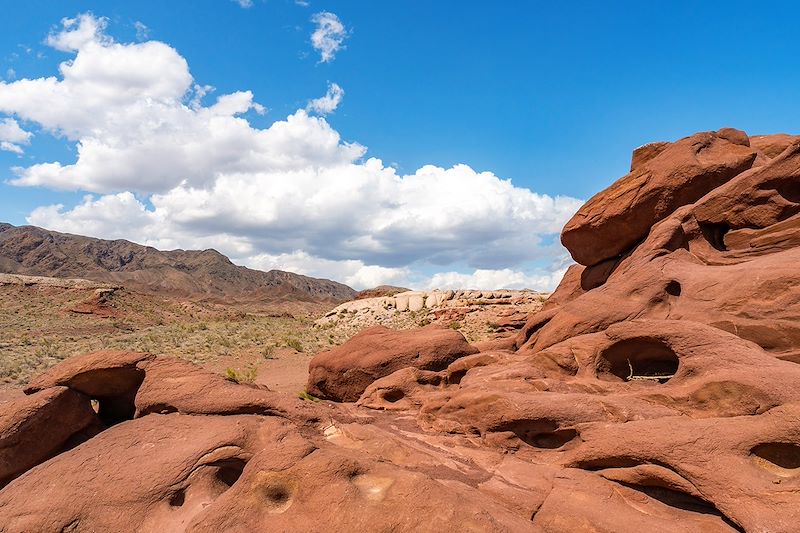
142,31
12,135
11,73
505,278
244,3
11,131
302,3
78,32
327,103
293,195
11,147
329,35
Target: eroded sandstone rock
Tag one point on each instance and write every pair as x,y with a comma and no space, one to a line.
34,428
616,219
344,372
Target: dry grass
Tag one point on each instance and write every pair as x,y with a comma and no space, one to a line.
37,331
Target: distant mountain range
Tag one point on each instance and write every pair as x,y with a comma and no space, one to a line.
206,274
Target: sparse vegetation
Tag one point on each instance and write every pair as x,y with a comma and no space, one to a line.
246,376
294,344
455,324
268,352
47,348
305,396
36,333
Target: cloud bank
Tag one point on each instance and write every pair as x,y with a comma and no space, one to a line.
165,168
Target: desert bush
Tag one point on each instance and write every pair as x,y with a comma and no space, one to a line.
246,376
294,344
268,352
305,396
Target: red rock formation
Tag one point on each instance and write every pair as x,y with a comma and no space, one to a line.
655,391
344,372
614,220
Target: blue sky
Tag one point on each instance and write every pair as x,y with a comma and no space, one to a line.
552,96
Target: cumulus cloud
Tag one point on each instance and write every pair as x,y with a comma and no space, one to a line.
167,170
327,103
329,35
12,136
77,32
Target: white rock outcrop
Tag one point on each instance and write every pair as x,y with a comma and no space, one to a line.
416,301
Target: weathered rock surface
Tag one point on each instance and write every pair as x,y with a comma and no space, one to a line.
344,372
656,390
381,307
34,428
614,220
484,317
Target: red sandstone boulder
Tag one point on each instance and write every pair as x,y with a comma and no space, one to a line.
772,145
110,377
35,428
151,474
616,219
172,385
344,372
756,199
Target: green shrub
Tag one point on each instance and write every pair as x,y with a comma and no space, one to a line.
295,344
305,396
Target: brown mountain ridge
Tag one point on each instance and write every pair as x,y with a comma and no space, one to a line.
194,274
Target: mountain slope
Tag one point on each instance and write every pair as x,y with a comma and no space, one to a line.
205,274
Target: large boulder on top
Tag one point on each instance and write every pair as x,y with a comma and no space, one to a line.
614,220
728,260
343,373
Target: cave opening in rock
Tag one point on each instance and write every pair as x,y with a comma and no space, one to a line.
781,454
228,471
541,433
673,288
393,395
207,482
789,189
642,359
111,392
683,501
715,234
